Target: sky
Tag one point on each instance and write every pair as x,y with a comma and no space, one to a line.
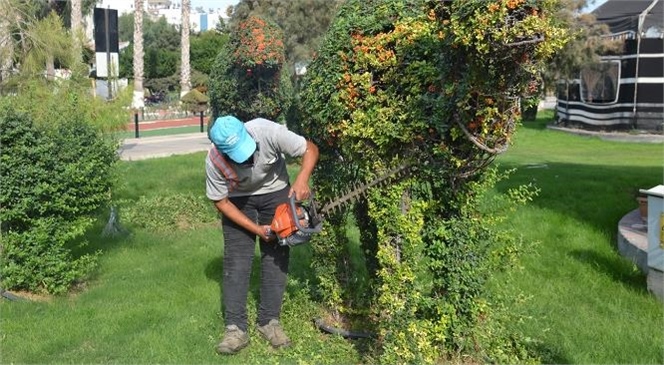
214,4
592,6
223,4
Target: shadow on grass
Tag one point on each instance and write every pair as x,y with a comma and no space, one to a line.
613,267
540,123
594,194
598,196
549,355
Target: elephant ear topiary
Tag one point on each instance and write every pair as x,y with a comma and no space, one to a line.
433,85
248,79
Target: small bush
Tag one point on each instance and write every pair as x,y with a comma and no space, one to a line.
195,101
56,174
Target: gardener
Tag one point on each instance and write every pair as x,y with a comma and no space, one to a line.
246,180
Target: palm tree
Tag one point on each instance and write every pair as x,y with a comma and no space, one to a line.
50,61
77,28
37,43
6,43
185,83
138,101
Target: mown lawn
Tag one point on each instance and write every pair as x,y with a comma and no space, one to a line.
155,297
586,303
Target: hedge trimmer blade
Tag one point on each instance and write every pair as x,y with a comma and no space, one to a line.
295,222
358,191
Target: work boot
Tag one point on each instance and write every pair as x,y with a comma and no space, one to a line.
234,340
275,334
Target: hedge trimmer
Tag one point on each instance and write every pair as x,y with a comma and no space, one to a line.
295,222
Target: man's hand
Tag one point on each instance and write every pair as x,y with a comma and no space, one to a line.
301,185
266,234
301,191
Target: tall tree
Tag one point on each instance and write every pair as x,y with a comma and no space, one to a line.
37,43
6,43
137,101
185,68
76,28
583,49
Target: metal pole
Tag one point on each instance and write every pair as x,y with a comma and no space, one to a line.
136,124
639,29
201,122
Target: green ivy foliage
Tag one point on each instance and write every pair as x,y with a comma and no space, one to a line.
249,79
55,176
435,86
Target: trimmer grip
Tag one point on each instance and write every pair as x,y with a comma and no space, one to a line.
316,229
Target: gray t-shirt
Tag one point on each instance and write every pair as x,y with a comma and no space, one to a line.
268,173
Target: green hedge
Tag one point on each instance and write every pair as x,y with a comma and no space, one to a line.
55,177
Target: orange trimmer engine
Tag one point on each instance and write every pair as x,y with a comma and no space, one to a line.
294,223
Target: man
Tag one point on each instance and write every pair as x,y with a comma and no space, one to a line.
247,179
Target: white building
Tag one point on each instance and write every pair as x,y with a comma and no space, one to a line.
171,11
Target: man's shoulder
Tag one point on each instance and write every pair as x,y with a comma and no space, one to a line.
265,127
260,122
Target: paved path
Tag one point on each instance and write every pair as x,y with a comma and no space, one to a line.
615,136
151,147
133,149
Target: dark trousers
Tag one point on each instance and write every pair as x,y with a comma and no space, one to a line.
239,248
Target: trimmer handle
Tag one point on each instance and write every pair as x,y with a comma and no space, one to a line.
314,219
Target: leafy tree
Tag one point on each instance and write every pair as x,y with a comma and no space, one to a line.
162,54
583,49
161,35
126,27
204,49
160,63
37,43
303,21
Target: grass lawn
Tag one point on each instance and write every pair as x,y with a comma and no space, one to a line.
155,297
587,304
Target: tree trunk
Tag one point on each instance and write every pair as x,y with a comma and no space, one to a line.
138,99
6,43
77,30
185,83
50,60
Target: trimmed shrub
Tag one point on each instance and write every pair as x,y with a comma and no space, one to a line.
195,101
432,85
55,177
249,79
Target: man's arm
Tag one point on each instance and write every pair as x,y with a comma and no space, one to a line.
230,211
301,185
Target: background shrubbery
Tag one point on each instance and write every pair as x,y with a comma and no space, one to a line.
250,79
57,172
